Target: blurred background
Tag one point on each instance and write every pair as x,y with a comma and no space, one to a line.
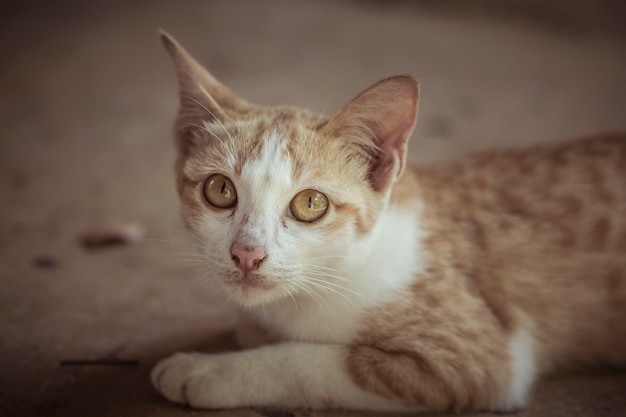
87,101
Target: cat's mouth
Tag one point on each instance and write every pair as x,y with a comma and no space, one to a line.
251,288
249,281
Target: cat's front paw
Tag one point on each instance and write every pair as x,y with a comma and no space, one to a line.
189,378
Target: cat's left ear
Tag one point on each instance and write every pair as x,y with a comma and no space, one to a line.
202,97
379,122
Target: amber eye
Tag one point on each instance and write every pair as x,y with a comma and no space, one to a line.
309,205
220,191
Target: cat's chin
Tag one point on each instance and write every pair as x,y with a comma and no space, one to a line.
252,297
253,294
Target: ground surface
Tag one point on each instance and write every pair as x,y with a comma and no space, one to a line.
87,102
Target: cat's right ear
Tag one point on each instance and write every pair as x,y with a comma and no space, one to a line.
379,122
202,97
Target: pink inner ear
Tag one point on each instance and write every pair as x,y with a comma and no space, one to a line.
380,120
395,136
382,169
388,110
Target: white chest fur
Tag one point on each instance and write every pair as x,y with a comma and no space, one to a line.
388,264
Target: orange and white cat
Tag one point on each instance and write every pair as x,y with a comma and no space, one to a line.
449,287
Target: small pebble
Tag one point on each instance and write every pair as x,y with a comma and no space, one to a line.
45,262
101,237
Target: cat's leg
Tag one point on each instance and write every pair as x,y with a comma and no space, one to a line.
351,377
287,375
443,377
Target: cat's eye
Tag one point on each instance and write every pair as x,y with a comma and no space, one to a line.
309,205
220,191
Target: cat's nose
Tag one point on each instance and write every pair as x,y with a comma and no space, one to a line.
247,258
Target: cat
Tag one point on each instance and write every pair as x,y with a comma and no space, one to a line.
446,287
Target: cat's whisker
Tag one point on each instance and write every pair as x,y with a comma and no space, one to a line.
310,285
350,258
310,292
228,299
204,282
152,239
228,149
187,264
341,287
335,288
322,284
190,261
217,120
327,274
190,256
194,236
217,138
197,268
200,271
318,267
288,290
302,288
320,117
191,252
196,249
188,253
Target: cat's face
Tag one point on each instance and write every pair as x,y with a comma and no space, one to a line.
282,201
297,203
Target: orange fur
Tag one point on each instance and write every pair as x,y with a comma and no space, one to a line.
513,237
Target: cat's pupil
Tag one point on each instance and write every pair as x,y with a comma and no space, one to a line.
223,187
310,202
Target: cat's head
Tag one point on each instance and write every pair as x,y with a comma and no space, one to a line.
284,201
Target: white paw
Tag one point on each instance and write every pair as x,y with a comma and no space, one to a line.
190,378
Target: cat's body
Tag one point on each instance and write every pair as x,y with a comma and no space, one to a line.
448,287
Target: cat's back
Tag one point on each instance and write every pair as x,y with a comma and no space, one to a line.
569,195
540,230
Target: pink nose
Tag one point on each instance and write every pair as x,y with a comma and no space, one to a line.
247,258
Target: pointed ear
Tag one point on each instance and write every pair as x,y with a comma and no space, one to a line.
379,122
202,97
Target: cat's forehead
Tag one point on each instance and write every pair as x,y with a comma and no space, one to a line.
291,123
283,148
269,136
270,171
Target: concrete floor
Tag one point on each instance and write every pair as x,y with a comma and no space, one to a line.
87,102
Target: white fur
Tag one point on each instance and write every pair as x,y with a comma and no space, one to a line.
381,266
260,189
264,180
287,375
523,369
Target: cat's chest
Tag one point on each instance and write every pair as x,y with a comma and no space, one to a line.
377,275
316,321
